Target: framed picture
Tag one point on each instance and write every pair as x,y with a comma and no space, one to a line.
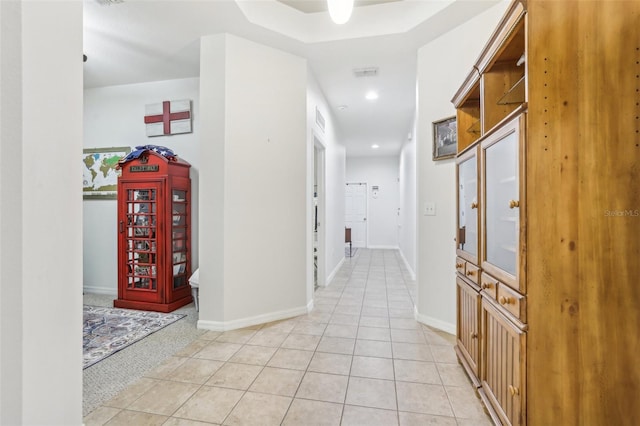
99,173
445,138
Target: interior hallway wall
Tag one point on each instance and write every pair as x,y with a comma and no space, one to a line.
114,116
456,51
382,210
334,174
407,214
40,213
253,257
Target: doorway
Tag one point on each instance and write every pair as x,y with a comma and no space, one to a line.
318,211
355,206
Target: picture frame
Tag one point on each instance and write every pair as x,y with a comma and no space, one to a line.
100,173
445,139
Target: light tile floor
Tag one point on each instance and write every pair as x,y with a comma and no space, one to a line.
359,358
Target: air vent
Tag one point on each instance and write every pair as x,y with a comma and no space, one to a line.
108,2
365,72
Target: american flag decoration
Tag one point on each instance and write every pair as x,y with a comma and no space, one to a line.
168,118
162,150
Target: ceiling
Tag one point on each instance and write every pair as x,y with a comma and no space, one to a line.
136,41
314,6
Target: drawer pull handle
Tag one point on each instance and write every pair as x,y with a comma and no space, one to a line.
459,265
474,205
513,204
487,285
474,335
470,273
514,390
504,300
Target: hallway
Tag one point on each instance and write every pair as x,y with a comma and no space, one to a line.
359,358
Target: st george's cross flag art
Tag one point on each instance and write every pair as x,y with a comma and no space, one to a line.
168,118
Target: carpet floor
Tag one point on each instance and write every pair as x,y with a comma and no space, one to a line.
104,380
109,330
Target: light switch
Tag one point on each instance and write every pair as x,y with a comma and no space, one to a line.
429,209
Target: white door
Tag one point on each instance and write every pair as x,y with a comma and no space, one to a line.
356,213
319,213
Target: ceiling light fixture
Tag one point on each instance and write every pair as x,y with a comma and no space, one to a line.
340,10
375,146
371,95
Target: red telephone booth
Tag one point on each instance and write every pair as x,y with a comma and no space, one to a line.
154,232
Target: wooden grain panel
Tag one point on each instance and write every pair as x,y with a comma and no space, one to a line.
472,272
468,123
468,330
552,212
582,159
501,39
494,85
489,286
513,302
609,180
460,265
502,378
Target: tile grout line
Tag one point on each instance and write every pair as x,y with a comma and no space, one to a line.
393,276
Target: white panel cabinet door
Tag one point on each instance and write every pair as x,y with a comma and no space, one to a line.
356,213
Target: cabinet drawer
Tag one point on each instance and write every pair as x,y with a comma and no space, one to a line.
489,286
513,302
472,272
460,265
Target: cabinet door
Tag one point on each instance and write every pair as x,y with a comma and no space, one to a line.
503,366
468,327
139,242
180,243
467,238
502,203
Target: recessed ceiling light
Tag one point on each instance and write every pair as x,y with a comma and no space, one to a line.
375,146
342,107
371,95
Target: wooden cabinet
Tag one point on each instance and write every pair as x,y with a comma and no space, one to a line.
504,370
468,221
154,233
503,202
468,327
550,117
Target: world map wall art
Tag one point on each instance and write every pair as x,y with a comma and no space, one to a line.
100,173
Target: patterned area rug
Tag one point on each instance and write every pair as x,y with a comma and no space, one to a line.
108,330
354,250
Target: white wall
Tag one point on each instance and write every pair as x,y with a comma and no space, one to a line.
382,212
261,232
334,176
40,213
10,212
407,220
114,116
456,51
212,177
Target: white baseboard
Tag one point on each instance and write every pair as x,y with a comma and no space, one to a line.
333,273
258,319
109,291
382,247
435,323
406,263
